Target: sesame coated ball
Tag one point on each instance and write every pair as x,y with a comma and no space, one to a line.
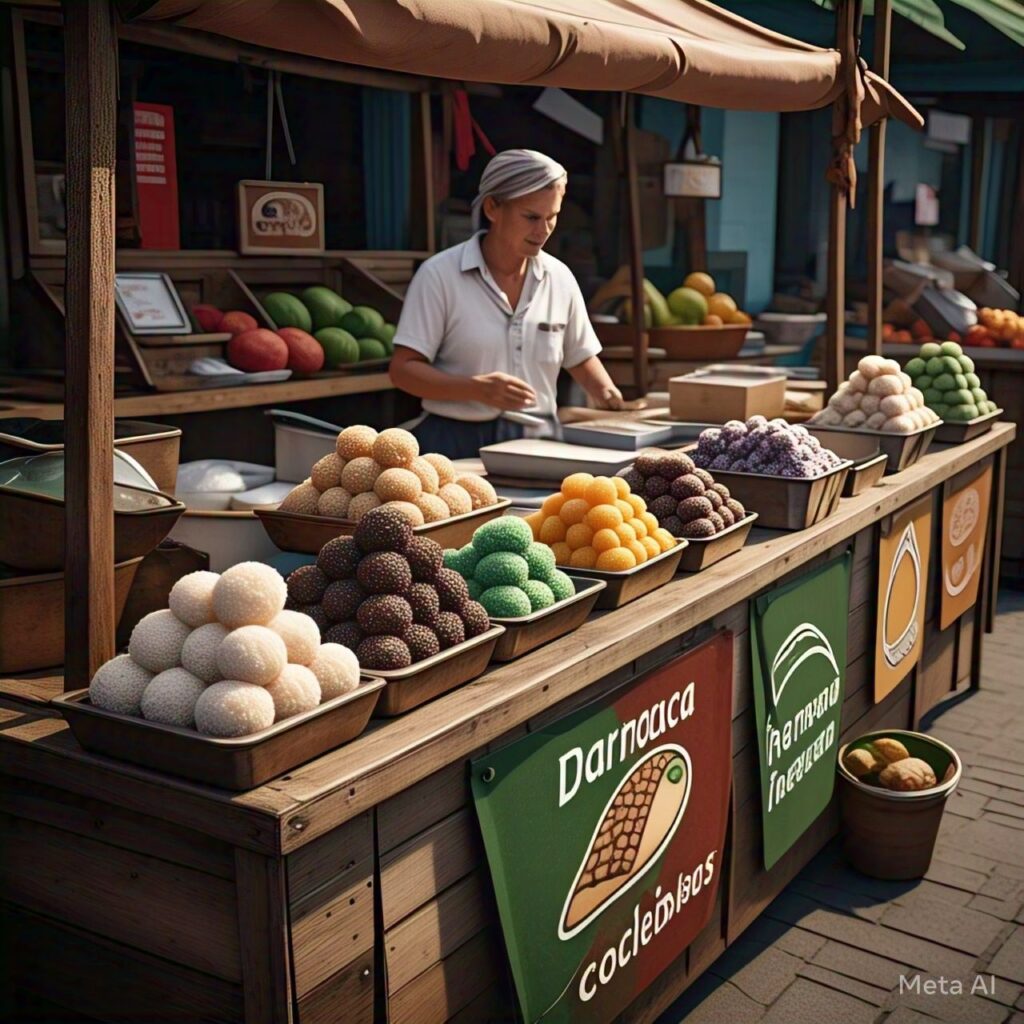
356,442
249,593
395,447
191,598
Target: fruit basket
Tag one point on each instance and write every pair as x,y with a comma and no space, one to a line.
966,430
626,586
524,633
903,450
294,531
408,688
235,764
702,552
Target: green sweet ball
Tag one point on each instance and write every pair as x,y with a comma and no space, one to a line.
961,381
966,364
940,409
944,382
475,588
935,366
932,397
915,367
463,560
924,382
950,364
951,348
561,586
959,397
962,413
507,533
501,569
973,380
539,593
541,561
930,349
979,396
505,602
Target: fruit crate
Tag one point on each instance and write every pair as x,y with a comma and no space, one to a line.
864,450
702,552
623,587
237,764
966,430
903,450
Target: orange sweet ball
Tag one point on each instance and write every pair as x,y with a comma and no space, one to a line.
574,511
639,527
552,530
602,517
601,491
625,508
639,551
534,520
583,558
575,485
553,504
664,538
626,533
579,535
605,540
621,487
616,560
650,520
651,546
562,552
638,504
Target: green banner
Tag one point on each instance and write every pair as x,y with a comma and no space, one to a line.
798,659
604,835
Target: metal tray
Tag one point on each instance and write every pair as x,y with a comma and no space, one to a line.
627,586
966,430
292,531
704,551
865,474
543,459
242,763
408,688
903,449
627,435
527,632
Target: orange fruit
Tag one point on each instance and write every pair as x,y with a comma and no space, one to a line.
605,540
639,527
553,504
574,511
616,560
535,519
739,317
621,487
579,535
652,547
626,532
639,551
584,558
713,320
638,503
700,282
664,538
602,517
562,552
601,491
649,520
722,305
575,485
625,508
552,530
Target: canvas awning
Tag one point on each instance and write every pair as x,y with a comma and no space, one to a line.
685,50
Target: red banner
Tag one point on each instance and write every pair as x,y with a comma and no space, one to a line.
156,175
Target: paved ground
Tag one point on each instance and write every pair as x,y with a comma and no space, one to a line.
834,946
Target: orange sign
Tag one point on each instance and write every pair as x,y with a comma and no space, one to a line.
964,520
903,551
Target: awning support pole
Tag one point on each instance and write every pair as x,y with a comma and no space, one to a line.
636,249
90,41
876,183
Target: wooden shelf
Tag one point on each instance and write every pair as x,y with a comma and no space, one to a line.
177,403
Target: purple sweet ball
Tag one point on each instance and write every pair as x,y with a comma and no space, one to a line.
800,430
756,421
739,466
721,462
812,442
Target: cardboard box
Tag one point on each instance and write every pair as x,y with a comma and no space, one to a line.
714,396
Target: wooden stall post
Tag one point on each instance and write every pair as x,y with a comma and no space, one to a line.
91,112
636,250
876,183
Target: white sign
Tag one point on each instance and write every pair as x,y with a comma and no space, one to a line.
150,304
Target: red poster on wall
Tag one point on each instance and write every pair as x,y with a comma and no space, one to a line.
156,176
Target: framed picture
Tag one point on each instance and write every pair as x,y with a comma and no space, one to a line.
150,303
284,217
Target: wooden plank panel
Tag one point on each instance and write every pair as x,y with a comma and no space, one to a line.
495,1005
437,929
330,929
894,711
79,975
936,669
350,989
330,859
964,645
173,911
420,806
417,871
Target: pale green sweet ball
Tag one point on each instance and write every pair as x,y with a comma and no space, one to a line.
541,561
502,569
463,560
508,533
505,602
475,589
539,593
561,586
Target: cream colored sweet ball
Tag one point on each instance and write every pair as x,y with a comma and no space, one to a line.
301,499
233,708
252,654
119,684
360,474
326,472
199,652
248,594
395,447
191,598
409,510
429,479
355,442
301,635
398,484
458,499
433,507
295,690
482,493
334,502
446,473
157,639
170,698
336,669
361,504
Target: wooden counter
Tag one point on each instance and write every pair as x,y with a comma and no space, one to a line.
291,897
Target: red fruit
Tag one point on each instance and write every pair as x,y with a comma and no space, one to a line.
953,336
236,322
305,353
920,330
258,350
208,317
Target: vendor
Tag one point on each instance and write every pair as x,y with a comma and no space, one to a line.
487,324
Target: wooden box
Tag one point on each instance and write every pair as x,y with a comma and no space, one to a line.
715,396
702,552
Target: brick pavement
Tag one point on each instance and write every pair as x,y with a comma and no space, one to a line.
839,948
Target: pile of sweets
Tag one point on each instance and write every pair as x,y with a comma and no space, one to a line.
368,469
385,593
509,572
878,396
684,498
596,522
226,658
766,447
945,376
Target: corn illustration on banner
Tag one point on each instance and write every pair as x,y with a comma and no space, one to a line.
604,834
798,662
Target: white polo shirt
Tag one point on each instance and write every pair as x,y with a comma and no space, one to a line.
457,317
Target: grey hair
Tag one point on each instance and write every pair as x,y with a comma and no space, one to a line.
514,173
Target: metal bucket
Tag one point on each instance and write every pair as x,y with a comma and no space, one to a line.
888,834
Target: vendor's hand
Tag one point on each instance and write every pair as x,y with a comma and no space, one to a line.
610,397
503,391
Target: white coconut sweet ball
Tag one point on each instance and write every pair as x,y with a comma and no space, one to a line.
157,639
199,652
336,669
301,635
295,690
248,594
252,654
170,698
118,685
191,598
233,708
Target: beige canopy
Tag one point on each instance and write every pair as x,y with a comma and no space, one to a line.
685,50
